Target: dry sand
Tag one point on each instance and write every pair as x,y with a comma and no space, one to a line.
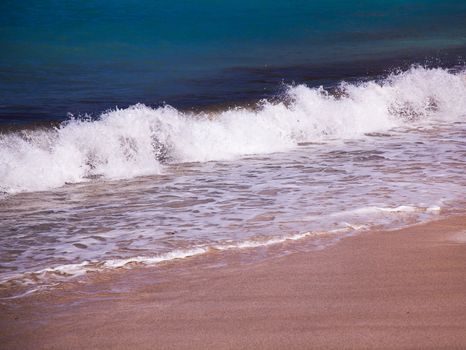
403,289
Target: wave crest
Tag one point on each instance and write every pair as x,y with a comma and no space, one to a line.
136,141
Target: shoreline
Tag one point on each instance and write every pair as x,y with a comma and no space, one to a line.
202,256
395,289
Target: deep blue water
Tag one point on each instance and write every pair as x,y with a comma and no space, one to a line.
60,57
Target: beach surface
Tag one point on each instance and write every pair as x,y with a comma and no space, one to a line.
395,289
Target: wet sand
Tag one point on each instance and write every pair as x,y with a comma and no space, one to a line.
401,289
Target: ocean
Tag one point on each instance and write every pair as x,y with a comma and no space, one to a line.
71,57
136,133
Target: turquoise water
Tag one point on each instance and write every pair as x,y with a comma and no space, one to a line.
79,57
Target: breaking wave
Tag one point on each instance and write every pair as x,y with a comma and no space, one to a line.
137,141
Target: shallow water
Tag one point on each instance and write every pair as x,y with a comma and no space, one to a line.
329,188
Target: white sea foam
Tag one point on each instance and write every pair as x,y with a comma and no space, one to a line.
267,242
135,141
374,211
152,260
68,269
433,209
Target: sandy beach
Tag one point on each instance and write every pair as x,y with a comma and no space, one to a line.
402,289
